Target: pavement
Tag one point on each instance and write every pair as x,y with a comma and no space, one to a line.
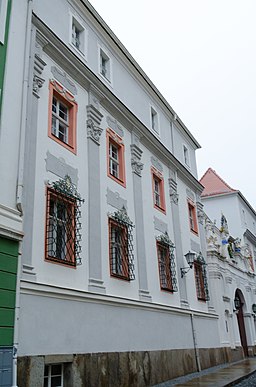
220,376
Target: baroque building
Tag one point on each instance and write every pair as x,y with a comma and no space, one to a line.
99,191
231,247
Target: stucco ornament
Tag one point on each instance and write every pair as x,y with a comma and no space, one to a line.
174,196
136,154
93,131
224,225
211,235
200,212
237,244
121,215
37,83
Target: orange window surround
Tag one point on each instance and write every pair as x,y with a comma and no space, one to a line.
115,157
62,116
158,190
192,217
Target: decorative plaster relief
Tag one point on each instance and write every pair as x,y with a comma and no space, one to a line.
60,168
156,163
39,65
160,225
190,194
248,289
114,199
113,124
195,246
62,77
229,280
174,196
200,212
94,118
226,298
137,165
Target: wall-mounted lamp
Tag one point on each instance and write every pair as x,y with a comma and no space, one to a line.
190,257
237,302
254,308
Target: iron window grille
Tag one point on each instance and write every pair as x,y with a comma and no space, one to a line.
63,226
201,278
121,245
166,263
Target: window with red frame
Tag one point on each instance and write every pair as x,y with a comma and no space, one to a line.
62,242
158,190
201,279
62,116
192,217
115,155
121,246
166,264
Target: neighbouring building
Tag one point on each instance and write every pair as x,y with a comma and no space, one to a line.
99,173
231,254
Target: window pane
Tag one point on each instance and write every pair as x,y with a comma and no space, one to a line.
46,370
56,369
63,112
54,105
62,132
56,381
54,125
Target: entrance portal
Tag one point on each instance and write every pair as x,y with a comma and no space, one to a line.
240,320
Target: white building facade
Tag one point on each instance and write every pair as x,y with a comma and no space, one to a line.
109,200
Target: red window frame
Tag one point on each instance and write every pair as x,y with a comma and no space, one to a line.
192,217
52,232
118,253
113,140
199,279
63,96
158,201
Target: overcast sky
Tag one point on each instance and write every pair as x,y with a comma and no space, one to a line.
201,55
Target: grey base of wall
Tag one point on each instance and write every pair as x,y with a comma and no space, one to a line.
131,369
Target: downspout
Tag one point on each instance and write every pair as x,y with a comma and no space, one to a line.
195,343
23,116
19,193
16,321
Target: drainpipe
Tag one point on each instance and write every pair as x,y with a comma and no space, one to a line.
19,194
23,115
195,343
17,312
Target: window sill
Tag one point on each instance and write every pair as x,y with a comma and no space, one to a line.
60,262
161,209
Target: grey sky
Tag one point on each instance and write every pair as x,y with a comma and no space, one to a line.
201,55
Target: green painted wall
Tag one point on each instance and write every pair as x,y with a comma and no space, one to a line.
8,275
3,50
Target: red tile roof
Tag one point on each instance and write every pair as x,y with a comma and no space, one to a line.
214,185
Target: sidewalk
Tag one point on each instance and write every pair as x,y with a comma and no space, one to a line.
223,376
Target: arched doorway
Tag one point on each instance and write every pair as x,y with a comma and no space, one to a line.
239,302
